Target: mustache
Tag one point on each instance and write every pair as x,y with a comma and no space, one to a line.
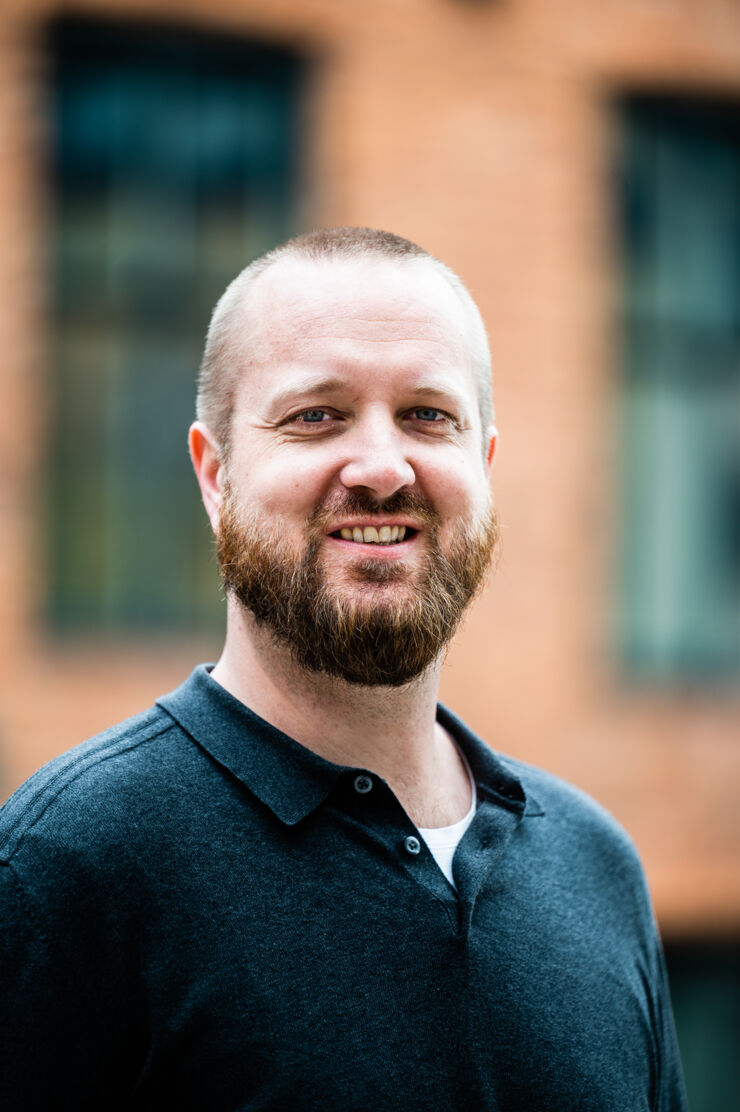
361,502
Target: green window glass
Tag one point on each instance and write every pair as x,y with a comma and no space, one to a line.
705,987
174,159
680,227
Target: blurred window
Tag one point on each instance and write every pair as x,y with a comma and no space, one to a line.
680,227
705,987
174,161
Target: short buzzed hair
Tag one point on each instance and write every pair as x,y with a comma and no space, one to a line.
217,381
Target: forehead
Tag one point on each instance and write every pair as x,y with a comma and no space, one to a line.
365,309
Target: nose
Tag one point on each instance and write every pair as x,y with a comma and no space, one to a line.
377,459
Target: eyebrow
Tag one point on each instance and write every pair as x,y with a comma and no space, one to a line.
293,393
299,389
438,392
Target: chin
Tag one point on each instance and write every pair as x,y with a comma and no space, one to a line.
381,588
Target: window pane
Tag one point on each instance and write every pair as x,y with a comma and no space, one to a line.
705,987
175,159
680,612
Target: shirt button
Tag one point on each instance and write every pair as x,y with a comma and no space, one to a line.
363,784
412,845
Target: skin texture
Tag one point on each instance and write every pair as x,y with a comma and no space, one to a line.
356,380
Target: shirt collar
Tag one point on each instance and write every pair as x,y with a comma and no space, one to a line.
286,776
494,778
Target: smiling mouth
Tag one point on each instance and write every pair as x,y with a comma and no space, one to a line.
386,534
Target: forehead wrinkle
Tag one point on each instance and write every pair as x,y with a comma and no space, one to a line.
360,330
285,291
282,355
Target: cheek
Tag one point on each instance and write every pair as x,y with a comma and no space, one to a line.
286,488
458,486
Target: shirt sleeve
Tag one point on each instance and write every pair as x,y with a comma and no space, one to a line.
54,1053
671,1089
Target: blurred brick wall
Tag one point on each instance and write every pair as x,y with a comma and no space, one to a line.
482,130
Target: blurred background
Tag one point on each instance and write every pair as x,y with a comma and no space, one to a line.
579,165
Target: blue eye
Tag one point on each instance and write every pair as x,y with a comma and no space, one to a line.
313,416
427,414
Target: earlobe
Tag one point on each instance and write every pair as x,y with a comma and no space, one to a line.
206,461
492,442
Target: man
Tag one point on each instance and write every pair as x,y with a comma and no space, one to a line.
296,883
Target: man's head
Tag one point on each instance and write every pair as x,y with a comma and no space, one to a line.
339,451
232,326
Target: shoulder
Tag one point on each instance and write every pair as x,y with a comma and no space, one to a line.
563,802
581,838
569,808
563,816
74,793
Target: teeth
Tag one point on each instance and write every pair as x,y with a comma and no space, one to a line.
387,534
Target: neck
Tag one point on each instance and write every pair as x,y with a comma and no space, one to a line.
391,731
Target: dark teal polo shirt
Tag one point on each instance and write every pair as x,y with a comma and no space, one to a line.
199,913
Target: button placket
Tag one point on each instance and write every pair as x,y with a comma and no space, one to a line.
412,845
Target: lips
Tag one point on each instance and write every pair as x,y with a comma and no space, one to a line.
355,517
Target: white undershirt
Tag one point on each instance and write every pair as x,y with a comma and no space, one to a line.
443,840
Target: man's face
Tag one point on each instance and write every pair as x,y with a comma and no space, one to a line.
356,521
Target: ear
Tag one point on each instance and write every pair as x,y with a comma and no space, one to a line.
206,459
492,442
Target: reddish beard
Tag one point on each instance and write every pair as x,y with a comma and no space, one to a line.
358,636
